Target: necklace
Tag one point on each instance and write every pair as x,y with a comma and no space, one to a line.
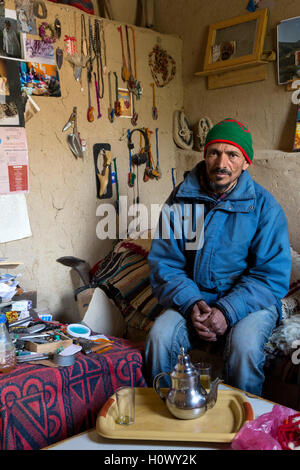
104,46
162,66
90,115
98,55
111,110
137,90
117,102
124,72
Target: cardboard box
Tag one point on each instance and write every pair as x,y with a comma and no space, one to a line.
49,347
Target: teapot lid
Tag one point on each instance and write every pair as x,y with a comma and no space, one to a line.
184,367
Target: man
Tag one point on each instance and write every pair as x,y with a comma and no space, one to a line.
228,290
11,45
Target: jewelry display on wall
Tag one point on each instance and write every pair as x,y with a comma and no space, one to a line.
111,109
124,71
162,66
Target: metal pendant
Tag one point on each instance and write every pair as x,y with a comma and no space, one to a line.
59,57
57,27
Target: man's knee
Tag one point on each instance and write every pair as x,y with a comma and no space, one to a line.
164,326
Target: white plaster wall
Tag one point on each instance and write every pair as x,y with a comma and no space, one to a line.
62,199
264,106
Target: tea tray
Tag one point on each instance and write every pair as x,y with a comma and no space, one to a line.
153,420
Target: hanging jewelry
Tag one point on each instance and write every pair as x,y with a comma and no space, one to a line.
157,171
134,114
154,108
90,115
36,6
77,61
98,56
47,33
104,46
111,110
57,27
138,87
131,80
162,66
131,175
124,71
117,102
97,96
59,57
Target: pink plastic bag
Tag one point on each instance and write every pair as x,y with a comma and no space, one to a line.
261,433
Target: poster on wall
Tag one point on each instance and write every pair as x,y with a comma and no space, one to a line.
25,16
296,147
13,160
36,50
288,50
11,104
39,79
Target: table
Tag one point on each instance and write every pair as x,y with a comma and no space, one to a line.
91,440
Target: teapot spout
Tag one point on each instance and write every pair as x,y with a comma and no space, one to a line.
213,394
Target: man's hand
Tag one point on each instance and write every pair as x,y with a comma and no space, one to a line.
216,322
200,315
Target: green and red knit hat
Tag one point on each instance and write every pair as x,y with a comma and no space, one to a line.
231,132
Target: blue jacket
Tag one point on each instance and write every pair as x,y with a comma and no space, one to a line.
244,264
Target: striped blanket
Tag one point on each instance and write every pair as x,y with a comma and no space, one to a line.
124,277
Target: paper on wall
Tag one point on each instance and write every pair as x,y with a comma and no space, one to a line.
13,160
14,218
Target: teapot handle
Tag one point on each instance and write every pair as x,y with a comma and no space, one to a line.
157,387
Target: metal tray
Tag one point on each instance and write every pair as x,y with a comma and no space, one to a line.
153,421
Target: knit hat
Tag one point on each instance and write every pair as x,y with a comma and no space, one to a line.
231,132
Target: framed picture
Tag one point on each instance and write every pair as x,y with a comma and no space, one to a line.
39,79
288,50
11,105
236,41
296,146
125,98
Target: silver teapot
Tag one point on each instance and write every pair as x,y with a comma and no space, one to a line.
187,398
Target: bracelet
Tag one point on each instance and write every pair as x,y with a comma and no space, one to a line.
36,5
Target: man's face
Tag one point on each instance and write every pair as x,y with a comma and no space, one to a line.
224,164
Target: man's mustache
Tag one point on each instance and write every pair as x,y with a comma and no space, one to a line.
223,171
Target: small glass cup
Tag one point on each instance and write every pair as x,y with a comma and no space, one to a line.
204,369
125,397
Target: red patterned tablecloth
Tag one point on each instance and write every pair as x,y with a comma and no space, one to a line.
41,405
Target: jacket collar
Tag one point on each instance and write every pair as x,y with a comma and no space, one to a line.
242,197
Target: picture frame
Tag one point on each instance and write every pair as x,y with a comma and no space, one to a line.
125,98
288,50
296,144
236,42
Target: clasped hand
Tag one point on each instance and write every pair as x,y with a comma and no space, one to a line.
209,322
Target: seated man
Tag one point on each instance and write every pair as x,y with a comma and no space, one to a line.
228,290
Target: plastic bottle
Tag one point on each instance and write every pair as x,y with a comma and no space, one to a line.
7,348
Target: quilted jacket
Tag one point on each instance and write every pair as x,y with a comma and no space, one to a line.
243,263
